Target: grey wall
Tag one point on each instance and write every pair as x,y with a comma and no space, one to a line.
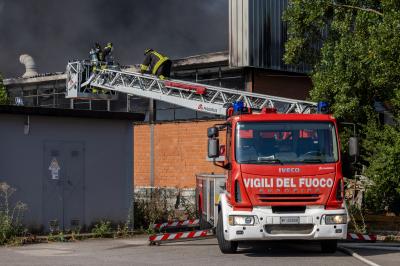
95,156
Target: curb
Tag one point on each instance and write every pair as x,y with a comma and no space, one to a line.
371,247
395,238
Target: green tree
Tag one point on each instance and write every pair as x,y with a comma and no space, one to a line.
354,48
3,93
383,148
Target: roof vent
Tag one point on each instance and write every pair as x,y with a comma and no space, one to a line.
30,66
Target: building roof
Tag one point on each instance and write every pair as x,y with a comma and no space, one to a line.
202,60
23,110
190,62
34,80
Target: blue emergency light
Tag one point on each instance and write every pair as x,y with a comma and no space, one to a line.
238,106
323,107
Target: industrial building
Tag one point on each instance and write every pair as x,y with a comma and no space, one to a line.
65,163
168,147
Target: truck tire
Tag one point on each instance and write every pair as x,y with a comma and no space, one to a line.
226,247
328,246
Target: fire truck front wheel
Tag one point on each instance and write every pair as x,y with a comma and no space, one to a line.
226,247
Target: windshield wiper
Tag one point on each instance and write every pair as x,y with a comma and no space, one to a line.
269,160
314,160
260,161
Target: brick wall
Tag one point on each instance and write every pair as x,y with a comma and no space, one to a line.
180,151
141,155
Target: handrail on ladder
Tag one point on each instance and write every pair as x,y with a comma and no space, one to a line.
105,82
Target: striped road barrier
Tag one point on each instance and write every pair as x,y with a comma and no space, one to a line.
173,224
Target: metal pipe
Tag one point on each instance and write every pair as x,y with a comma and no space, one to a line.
30,66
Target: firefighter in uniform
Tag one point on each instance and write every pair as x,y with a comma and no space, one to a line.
99,52
98,57
156,64
107,53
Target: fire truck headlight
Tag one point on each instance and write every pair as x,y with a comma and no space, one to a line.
336,219
241,220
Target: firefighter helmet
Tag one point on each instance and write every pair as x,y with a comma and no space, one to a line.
148,50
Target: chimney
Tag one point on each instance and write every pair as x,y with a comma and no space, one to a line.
30,66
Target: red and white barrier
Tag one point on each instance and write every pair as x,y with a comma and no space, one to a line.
185,223
352,236
180,235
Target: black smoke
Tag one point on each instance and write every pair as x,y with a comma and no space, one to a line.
55,31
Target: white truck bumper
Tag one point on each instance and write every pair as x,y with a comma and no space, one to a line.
268,225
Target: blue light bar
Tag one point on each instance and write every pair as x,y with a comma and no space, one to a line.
238,106
322,107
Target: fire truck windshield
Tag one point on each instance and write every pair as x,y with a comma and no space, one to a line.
285,143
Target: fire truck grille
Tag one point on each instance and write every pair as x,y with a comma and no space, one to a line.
276,229
288,197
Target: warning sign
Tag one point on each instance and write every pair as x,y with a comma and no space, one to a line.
54,169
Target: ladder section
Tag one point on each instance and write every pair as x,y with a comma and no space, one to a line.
105,82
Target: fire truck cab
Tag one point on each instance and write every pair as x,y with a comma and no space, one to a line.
283,178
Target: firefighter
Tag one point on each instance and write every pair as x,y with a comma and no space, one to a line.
156,64
99,52
93,57
96,57
107,53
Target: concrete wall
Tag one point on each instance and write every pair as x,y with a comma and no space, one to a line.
179,152
95,157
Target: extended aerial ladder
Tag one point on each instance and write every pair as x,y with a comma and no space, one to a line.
105,83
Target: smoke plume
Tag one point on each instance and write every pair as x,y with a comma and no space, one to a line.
54,32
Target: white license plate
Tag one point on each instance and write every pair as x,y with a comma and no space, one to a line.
290,220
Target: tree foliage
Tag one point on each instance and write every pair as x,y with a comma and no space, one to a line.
383,148
354,48
3,93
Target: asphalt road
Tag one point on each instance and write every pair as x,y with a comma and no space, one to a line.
134,251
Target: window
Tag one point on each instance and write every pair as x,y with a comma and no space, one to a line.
286,142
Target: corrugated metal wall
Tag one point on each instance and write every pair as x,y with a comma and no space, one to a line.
238,26
258,35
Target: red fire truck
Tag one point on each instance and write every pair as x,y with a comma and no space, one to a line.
283,178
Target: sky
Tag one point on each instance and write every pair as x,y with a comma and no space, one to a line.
56,31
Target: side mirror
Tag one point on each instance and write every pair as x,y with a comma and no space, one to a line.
354,149
213,148
222,150
212,132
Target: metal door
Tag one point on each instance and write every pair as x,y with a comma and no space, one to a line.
63,185
74,186
52,186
